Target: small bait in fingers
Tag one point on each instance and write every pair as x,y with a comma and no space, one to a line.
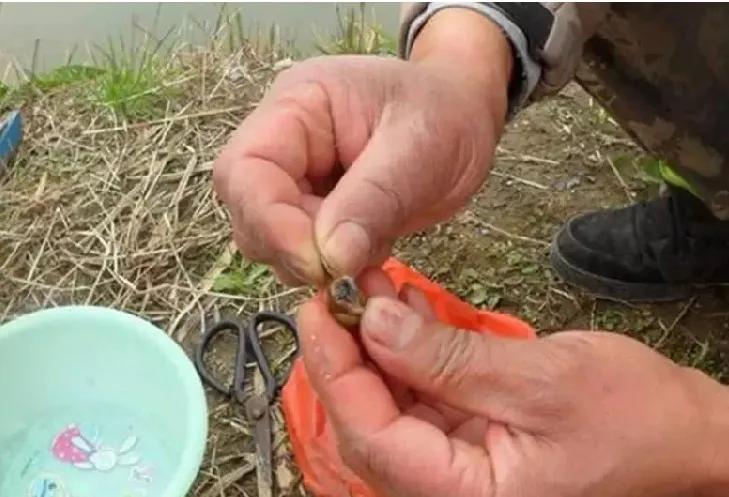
346,301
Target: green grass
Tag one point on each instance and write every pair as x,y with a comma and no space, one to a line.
130,80
65,75
356,35
244,277
134,79
36,83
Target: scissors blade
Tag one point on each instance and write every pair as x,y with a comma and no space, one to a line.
264,453
258,412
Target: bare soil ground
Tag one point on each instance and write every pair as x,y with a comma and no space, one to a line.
97,211
561,158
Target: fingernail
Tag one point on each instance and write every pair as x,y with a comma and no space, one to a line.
346,248
390,322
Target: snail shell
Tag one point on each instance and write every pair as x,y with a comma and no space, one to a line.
346,301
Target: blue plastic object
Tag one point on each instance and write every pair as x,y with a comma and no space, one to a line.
11,134
96,402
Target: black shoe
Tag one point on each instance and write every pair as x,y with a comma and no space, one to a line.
649,252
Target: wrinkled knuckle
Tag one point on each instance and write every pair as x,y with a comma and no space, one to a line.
552,381
250,243
221,175
299,71
303,95
453,361
294,267
243,244
388,197
285,277
469,478
567,361
363,458
288,76
376,463
352,454
301,86
240,213
247,250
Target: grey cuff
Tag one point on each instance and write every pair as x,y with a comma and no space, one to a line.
526,71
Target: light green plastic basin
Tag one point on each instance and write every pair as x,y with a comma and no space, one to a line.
96,402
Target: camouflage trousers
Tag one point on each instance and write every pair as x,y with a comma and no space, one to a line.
662,71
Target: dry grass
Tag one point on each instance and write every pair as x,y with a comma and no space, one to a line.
100,211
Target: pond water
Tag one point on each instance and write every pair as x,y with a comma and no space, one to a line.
54,30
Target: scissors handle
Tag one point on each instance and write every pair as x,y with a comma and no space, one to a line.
210,334
255,342
248,343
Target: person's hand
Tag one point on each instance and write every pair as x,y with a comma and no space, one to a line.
347,153
440,411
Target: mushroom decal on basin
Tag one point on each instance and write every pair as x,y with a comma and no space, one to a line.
72,447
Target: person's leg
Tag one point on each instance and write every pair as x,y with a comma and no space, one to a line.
662,71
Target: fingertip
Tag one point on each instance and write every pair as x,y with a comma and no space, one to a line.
390,323
375,283
317,326
416,299
384,308
355,396
324,352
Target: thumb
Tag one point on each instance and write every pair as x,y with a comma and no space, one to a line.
390,190
507,380
364,211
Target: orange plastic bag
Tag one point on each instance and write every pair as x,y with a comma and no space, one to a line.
312,440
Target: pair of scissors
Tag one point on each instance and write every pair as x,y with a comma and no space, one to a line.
257,404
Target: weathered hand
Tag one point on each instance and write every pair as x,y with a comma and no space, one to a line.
347,153
440,411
